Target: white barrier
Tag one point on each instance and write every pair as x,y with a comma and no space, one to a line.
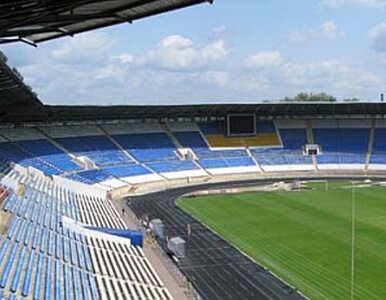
79,187
184,174
234,170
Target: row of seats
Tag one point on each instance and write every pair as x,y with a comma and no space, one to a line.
100,149
18,155
266,136
42,256
195,141
379,147
291,152
155,152
342,145
49,153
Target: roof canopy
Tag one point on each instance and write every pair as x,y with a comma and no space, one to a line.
34,21
107,113
79,113
16,98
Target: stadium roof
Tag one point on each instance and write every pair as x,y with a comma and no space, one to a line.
16,98
49,113
79,113
34,21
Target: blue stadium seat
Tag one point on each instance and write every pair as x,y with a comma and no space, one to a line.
20,231
28,276
194,140
79,178
67,283
148,147
378,155
266,127
28,235
76,292
100,149
291,153
173,166
87,258
342,145
92,284
84,286
211,128
58,277
126,171
50,153
227,162
19,268
94,176
48,285
8,266
39,274
15,154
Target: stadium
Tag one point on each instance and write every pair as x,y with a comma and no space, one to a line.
211,201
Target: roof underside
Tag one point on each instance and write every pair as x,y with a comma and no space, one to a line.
215,110
16,98
34,21
278,110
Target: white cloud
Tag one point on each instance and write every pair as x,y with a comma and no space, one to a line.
378,37
178,70
240,83
219,29
176,52
339,3
82,49
329,75
328,30
264,59
281,74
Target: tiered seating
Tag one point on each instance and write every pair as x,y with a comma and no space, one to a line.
342,145
148,147
293,142
290,154
127,171
378,156
194,140
5,166
91,176
72,131
149,151
214,134
43,256
49,153
20,134
31,148
37,247
229,162
99,149
173,166
269,156
16,154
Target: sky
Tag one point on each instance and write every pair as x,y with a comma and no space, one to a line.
234,51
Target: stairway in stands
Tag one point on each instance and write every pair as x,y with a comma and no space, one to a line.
310,140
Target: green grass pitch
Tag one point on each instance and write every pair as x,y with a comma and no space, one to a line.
304,237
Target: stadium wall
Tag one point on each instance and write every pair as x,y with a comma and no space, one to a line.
147,188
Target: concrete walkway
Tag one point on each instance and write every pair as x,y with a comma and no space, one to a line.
177,292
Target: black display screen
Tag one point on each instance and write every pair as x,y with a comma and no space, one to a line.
241,124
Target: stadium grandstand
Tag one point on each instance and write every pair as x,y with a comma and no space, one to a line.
79,184
63,168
